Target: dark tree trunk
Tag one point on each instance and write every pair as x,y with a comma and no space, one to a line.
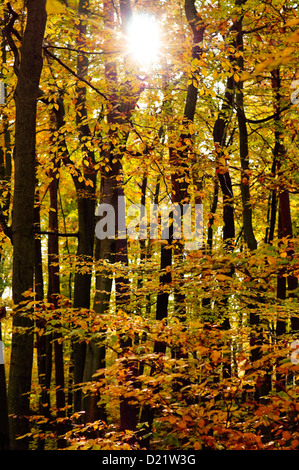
86,201
285,230
4,422
119,108
54,296
182,160
23,218
219,134
248,231
5,177
243,147
181,174
43,342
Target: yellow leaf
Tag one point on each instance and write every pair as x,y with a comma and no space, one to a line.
288,51
295,443
285,241
215,356
221,277
245,76
54,7
201,423
294,37
263,65
292,22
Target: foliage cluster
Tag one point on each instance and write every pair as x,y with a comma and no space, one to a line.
180,349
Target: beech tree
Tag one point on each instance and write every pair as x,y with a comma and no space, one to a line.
26,95
118,334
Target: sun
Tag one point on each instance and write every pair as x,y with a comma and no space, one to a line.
144,39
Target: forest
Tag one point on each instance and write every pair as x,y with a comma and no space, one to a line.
149,203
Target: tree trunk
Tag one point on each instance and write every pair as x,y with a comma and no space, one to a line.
43,342
243,147
286,283
86,201
285,229
182,160
54,296
5,177
23,219
119,109
219,134
181,175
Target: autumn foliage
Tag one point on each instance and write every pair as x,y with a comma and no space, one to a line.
140,343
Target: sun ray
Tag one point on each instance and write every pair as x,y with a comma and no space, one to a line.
144,39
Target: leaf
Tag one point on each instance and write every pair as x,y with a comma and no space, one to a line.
293,22
271,260
201,423
222,277
54,7
286,435
215,355
294,37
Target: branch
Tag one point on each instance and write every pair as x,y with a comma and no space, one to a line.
80,51
273,116
74,73
197,26
57,234
254,30
7,230
126,13
7,31
195,21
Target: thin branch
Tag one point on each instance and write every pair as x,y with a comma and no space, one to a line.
254,30
74,73
80,51
7,230
58,234
8,30
269,118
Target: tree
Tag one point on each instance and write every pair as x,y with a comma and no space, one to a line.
152,344
5,172
26,95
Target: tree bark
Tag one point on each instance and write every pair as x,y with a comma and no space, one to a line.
243,146
86,202
219,134
119,109
285,229
43,342
5,177
181,156
23,218
54,296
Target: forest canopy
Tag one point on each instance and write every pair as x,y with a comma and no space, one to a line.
149,202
